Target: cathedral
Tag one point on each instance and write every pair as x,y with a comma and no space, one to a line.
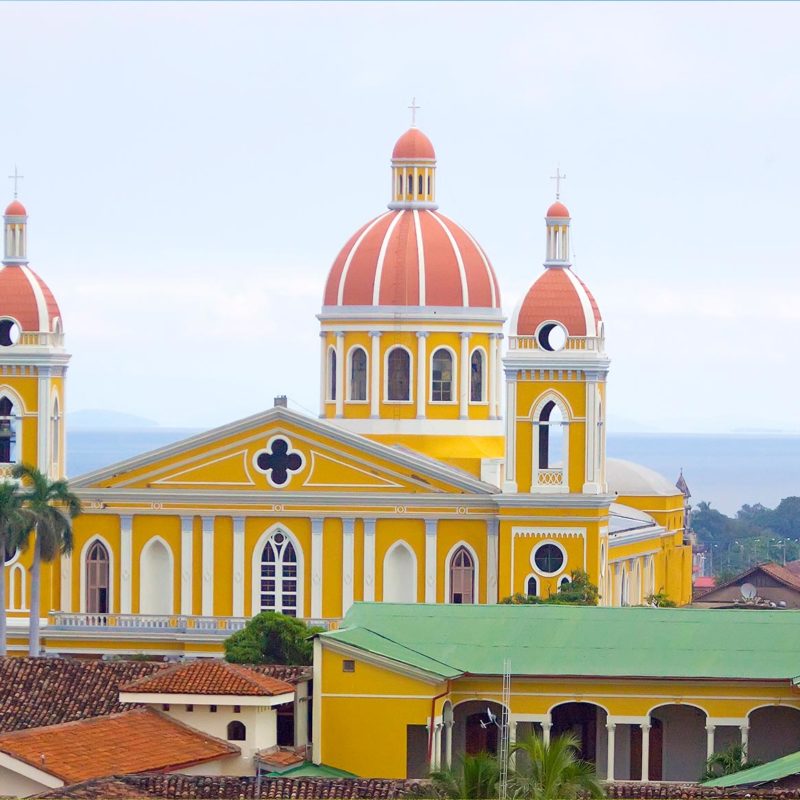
451,462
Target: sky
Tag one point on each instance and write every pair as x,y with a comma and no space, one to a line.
192,170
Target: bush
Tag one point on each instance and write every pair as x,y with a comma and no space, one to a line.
271,638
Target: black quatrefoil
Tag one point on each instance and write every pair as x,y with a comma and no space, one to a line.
278,461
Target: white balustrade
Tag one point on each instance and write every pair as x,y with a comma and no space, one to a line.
550,477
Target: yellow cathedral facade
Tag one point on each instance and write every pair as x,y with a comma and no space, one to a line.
454,460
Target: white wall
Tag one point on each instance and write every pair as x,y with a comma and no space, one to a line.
684,742
155,579
774,732
16,785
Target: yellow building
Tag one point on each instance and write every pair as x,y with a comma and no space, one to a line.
441,470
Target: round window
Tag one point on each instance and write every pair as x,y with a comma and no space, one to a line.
9,332
548,558
551,336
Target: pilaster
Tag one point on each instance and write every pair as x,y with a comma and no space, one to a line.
207,592
348,562
369,559
238,567
187,573
463,394
126,563
317,532
422,365
430,560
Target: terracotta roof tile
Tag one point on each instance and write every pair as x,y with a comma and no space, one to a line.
210,676
134,741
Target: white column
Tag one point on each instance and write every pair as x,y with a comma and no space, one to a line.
710,740
323,371
492,557
546,727
745,732
498,373
187,572
645,726
375,375
590,485
207,592
43,444
611,729
430,561
369,559
348,563
510,482
491,368
316,566
422,366
463,395
66,583
238,567
126,563
448,744
339,373
437,747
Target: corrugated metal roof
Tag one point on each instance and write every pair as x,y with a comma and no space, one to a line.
450,640
765,773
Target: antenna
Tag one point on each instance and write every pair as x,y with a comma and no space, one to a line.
505,731
748,591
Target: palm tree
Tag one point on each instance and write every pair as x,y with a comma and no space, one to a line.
473,777
733,759
52,507
552,770
14,521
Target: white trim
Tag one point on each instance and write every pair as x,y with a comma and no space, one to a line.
441,427
15,570
489,270
538,580
351,254
317,565
459,260
170,593
431,547
401,543
420,257
238,567
126,563
290,473
386,399
224,700
349,376
33,774
96,537
207,568
330,373
41,302
348,562
537,547
369,559
453,382
476,580
405,316
255,564
586,304
187,564
376,286
18,412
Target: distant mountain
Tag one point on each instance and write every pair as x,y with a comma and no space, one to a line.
104,419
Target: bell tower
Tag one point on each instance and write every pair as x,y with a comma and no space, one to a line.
556,369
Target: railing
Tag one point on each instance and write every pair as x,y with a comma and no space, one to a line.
550,477
41,338
593,343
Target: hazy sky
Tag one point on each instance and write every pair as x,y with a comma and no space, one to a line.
192,170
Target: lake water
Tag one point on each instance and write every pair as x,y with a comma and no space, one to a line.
725,470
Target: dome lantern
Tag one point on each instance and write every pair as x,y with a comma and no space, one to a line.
413,169
15,224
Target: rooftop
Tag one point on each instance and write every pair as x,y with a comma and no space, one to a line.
448,641
764,773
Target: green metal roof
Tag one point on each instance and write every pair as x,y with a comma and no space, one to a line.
766,773
310,770
450,640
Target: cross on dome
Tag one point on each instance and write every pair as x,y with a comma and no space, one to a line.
414,108
558,177
16,177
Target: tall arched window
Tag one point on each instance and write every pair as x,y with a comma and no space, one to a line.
56,432
155,578
476,377
279,575
236,731
97,580
462,577
532,586
551,437
442,376
8,432
358,374
419,185
399,575
398,375
331,374
411,184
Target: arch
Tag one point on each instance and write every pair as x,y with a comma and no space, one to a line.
57,328
683,741
331,378
477,376
398,375
650,572
443,375
400,574
156,572
473,731
278,581
564,580
774,731
532,582
624,586
451,586
17,596
551,418
11,413
635,589
86,584
236,731
357,377
586,720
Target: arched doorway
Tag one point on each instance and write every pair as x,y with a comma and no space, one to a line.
97,579
682,749
587,723
399,575
774,732
155,579
476,727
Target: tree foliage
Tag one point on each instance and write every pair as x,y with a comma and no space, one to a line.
472,777
727,762
579,591
271,638
15,521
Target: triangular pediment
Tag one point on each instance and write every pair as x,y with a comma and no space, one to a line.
282,451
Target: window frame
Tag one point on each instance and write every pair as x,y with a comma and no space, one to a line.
484,401
349,394
330,375
386,376
453,380
538,546
454,551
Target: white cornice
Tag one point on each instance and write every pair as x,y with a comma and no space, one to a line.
393,315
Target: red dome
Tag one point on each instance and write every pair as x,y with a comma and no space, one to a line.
558,209
25,297
558,295
412,258
16,209
414,145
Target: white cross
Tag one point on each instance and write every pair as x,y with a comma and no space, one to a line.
558,177
414,108
16,177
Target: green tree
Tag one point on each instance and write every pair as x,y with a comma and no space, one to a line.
660,600
271,638
51,507
552,770
579,591
14,521
472,777
727,762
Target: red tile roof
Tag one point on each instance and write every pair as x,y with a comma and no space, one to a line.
558,209
140,740
413,145
210,677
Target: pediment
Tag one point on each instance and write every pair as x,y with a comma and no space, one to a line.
280,451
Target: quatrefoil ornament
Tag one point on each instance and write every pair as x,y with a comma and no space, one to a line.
278,461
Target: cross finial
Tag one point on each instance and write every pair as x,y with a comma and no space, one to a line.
414,108
16,177
558,177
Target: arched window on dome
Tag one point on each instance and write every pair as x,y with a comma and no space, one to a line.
331,374
97,579
462,577
411,184
476,380
398,378
358,375
429,184
399,185
551,437
279,577
442,376
419,185
9,428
